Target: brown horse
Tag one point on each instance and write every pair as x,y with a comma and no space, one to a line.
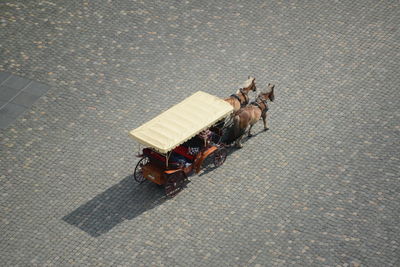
249,115
241,98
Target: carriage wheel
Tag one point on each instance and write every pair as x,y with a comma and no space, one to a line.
220,157
175,184
138,174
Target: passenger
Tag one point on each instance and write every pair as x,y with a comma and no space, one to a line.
183,162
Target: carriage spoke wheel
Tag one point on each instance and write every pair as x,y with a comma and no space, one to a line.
220,157
174,184
138,174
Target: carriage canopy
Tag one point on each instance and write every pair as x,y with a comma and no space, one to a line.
181,122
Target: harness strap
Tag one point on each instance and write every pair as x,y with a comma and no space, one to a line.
255,103
246,98
237,97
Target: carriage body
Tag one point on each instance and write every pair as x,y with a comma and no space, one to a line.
178,141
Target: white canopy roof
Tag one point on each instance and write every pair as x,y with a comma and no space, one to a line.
181,122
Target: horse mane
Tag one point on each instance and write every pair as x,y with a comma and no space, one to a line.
248,82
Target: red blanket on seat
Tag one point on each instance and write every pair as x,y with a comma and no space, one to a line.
184,151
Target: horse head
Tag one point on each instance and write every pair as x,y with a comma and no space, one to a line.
250,84
267,94
271,88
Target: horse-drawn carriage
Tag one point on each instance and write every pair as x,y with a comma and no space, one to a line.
178,141
197,130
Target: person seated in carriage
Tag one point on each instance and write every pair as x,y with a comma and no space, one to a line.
184,154
209,137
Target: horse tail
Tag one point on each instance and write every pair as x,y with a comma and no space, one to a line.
236,126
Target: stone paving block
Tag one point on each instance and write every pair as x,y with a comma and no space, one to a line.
36,88
16,82
12,110
320,188
3,77
25,99
5,121
7,93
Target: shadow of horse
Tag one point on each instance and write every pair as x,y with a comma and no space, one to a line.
208,165
123,201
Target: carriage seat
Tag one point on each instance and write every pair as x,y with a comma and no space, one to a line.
183,151
160,159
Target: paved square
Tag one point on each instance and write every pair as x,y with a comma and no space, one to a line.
321,187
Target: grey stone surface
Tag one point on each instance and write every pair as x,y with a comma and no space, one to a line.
16,95
3,77
12,110
320,188
7,93
5,121
37,89
25,99
16,82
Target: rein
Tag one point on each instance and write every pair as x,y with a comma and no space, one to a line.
246,98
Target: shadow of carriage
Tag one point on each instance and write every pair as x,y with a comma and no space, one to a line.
123,201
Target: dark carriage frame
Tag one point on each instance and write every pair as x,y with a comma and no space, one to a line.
160,169
169,157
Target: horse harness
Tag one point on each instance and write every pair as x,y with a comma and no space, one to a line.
257,104
246,98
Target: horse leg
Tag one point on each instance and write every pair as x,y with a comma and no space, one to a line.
265,121
237,131
238,142
249,133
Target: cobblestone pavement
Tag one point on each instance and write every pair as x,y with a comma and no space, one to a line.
320,188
